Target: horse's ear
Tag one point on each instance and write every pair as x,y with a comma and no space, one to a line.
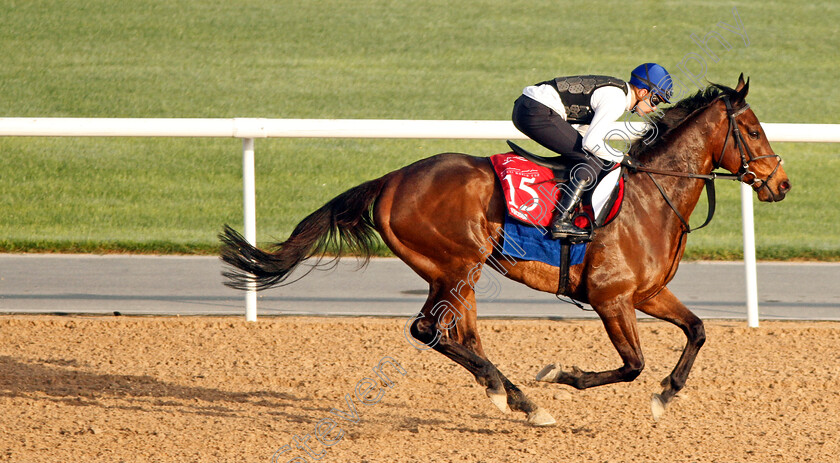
743,87
741,82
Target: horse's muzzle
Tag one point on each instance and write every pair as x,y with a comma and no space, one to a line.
772,193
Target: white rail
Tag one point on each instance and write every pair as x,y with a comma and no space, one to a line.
333,128
250,128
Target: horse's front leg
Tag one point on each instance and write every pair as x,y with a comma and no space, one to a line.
666,306
620,322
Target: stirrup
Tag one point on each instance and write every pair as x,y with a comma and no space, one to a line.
572,233
580,239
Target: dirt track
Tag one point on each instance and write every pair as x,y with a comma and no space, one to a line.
217,390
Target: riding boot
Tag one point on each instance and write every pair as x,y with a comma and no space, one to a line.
561,225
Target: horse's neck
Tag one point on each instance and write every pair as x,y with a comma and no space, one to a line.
689,148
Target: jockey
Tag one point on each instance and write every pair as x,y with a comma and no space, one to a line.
545,111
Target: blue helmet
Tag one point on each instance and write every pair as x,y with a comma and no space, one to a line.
654,78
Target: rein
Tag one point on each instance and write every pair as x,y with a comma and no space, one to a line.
710,194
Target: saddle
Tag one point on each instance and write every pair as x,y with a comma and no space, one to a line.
559,170
532,186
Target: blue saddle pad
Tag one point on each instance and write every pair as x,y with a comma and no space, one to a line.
528,242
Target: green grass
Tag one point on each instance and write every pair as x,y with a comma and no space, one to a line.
360,59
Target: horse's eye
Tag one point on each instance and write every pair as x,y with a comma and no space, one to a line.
754,134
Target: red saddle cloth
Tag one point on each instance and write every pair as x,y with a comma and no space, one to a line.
531,194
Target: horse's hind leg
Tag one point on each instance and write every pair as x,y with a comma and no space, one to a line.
666,306
447,323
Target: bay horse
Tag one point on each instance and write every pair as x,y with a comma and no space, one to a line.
442,216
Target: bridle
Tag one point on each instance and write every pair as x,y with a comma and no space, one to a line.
747,157
744,174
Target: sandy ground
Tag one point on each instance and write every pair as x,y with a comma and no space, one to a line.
125,389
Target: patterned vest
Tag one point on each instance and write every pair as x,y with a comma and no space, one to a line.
576,94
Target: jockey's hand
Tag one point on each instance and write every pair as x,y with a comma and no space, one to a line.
630,163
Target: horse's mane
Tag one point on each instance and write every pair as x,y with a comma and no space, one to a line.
672,117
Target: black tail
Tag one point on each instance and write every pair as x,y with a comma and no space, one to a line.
343,224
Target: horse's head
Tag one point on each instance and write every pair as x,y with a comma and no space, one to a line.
746,150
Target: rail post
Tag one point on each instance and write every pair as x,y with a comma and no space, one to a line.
250,217
749,254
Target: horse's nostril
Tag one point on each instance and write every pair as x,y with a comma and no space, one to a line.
784,187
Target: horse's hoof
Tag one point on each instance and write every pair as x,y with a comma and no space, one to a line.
657,406
549,374
499,400
540,417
